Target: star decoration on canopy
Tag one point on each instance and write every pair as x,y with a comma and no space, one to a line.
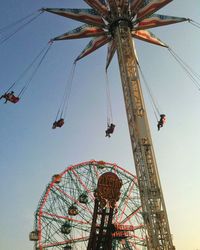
102,15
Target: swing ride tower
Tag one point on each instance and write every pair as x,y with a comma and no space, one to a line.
153,206
116,23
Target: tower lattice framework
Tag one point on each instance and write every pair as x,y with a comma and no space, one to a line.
153,205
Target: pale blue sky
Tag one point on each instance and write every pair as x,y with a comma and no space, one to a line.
31,152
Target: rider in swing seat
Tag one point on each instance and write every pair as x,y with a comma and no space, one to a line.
10,97
161,121
110,129
58,123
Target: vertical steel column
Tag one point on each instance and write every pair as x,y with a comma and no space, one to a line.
153,206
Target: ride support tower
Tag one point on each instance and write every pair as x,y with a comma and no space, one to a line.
153,205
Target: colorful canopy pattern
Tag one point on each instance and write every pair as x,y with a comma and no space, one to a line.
103,13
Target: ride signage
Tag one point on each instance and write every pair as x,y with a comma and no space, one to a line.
108,188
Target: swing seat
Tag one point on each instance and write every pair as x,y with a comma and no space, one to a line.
160,125
10,97
58,123
13,99
110,129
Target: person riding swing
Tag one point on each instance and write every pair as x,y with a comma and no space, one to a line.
161,121
10,97
110,129
58,124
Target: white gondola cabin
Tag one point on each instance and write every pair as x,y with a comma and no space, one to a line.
33,236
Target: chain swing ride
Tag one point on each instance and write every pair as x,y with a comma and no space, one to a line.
115,23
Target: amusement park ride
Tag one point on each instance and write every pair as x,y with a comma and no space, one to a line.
78,210
92,220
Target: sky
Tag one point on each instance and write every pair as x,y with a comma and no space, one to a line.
31,152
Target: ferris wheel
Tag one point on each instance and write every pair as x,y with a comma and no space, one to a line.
66,210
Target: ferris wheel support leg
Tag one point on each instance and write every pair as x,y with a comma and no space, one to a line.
153,206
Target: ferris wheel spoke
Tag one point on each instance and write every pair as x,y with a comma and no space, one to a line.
88,178
133,245
126,186
96,172
58,198
83,185
51,219
137,241
74,200
82,213
75,240
126,201
94,175
51,234
73,183
136,238
52,231
53,216
131,215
